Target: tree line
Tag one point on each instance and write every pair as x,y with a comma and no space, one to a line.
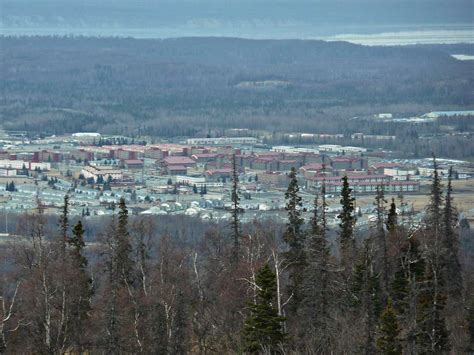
397,287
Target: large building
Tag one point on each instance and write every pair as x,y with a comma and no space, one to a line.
222,141
104,172
363,184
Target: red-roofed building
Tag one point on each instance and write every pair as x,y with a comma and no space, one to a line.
349,163
203,158
176,170
133,164
218,174
314,168
171,164
368,187
379,167
286,165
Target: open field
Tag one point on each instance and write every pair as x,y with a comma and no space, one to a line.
463,193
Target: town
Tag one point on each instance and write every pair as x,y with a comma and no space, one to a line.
192,176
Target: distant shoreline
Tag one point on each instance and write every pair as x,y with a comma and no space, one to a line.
387,37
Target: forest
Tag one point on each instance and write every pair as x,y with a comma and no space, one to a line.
258,288
185,86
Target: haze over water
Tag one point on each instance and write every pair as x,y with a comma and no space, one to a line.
370,22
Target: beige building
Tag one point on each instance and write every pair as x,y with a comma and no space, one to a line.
105,171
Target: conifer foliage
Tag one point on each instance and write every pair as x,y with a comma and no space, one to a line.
235,223
263,328
346,225
294,237
388,342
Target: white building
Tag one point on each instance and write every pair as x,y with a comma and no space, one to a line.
191,180
20,164
105,172
222,141
7,172
339,149
86,137
291,149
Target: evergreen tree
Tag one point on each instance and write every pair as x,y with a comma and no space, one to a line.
450,260
366,293
112,319
235,222
316,293
124,263
392,218
388,342
263,328
434,208
81,303
294,238
381,237
406,288
64,225
433,336
346,226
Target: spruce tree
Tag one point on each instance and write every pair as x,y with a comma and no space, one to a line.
434,208
81,302
406,288
433,336
314,310
263,331
366,293
294,238
64,225
346,226
392,218
450,249
381,237
235,222
388,342
124,263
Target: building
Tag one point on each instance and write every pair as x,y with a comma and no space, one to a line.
375,179
191,180
369,187
104,172
438,114
176,165
223,174
349,163
20,164
223,141
339,149
275,178
8,172
86,137
133,164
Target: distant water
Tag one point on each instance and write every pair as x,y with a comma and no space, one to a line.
365,35
369,22
463,57
408,37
